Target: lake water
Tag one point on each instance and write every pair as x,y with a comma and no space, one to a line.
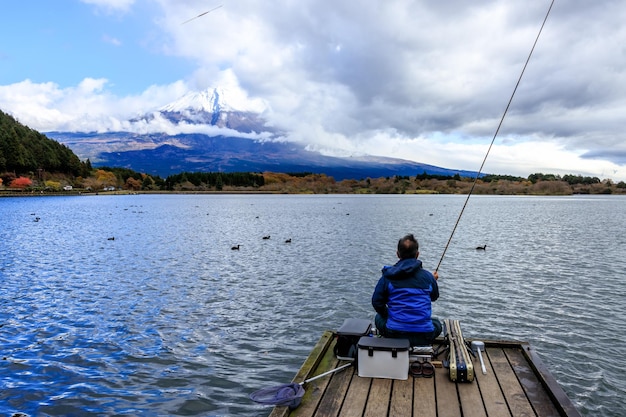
166,319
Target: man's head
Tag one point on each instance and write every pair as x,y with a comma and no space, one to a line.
408,248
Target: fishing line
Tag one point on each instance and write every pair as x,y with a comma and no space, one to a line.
495,135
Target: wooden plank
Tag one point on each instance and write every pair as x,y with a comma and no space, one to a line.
471,400
308,367
402,398
315,389
511,388
333,397
312,362
356,398
424,404
378,402
537,395
447,398
516,384
553,389
493,399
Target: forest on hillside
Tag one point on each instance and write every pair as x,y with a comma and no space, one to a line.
24,150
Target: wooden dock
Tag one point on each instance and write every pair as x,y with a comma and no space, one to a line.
516,384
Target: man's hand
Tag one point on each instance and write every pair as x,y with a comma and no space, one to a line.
436,275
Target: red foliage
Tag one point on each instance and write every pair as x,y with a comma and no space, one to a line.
20,182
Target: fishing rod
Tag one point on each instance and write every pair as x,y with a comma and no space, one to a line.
519,80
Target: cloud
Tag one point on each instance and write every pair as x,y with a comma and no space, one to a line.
88,107
111,40
423,80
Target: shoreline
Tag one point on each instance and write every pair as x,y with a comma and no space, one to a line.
8,194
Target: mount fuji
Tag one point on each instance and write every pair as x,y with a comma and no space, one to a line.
221,130
219,107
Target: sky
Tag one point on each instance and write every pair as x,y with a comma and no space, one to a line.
419,80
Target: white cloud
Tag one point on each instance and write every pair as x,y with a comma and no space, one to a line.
420,80
111,40
86,107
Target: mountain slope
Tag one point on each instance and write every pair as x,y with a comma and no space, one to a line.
232,147
200,153
23,150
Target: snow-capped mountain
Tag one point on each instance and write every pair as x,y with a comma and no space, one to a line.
221,107
215,100
219,130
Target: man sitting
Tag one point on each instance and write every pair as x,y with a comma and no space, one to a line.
403,296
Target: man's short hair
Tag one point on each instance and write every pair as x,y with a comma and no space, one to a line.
408,247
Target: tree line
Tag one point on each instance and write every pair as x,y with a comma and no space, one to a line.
216,180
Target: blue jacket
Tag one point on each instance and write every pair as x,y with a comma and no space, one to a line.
403,296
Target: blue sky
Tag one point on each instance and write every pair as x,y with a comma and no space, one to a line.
420,80
66,41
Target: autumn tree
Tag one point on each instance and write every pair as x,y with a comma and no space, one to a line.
132,184
106,178
54,185
21,182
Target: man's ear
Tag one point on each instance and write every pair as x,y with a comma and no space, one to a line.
417,255
398,254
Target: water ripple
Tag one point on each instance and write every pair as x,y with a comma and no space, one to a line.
168,320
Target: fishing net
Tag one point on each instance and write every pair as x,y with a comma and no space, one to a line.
289,395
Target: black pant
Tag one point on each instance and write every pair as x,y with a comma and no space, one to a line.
415,338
